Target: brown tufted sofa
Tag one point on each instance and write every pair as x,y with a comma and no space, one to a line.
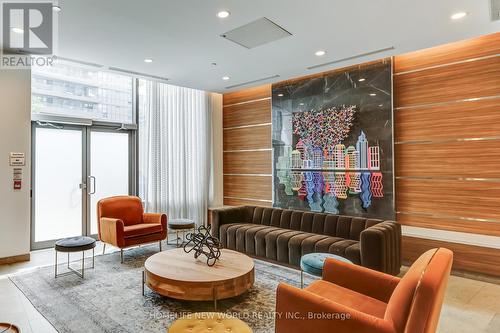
285,235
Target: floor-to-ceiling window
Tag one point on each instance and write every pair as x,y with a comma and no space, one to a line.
83,147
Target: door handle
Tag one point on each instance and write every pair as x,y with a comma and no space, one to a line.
93,187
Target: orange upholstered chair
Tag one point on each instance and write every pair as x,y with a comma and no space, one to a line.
122,222
352,298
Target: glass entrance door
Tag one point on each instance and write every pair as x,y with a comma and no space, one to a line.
58,200
109,169
73,168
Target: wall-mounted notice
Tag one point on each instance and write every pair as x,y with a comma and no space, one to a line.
17,178
17,159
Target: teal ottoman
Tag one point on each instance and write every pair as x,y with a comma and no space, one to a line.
312,263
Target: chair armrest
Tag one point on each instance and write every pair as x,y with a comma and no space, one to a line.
228,215
155,218
159,219
360,279
381,247
299,311
111,231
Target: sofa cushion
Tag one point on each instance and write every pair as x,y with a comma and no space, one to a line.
228,234
282,245
349,298
271,239
142,229
295,246
260,240
250,238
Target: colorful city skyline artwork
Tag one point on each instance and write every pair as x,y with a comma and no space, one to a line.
321,170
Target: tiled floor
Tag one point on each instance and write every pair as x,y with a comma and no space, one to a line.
470,305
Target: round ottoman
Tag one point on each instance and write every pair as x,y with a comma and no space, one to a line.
75,244
181,225
312,263
212,322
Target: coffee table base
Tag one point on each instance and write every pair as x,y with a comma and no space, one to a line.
199,291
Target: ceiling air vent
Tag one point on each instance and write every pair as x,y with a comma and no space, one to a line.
253,81
495,10
256,33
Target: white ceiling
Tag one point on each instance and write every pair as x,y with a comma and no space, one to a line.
182,36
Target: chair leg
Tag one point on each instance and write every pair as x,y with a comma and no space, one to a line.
55,273
301,279
104,248
83,263
160,245
121,255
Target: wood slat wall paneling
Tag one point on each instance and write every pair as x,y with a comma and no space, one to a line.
444,54
465,257
251,187
247,147
447,138
471,119
447,146
247,162
246,202
246,95
463,198
247,138
444,222
455,159
466,80
247,114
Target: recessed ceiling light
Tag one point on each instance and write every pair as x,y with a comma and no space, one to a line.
381,105
362,79
18,30
225,78
280,95
301,104
148,60
320,53
458,16
57,9
373,94
223,14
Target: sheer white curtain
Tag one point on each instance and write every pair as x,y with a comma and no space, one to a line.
174,150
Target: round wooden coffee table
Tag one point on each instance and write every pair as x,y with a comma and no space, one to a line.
179,275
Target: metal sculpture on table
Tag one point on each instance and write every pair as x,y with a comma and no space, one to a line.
202,242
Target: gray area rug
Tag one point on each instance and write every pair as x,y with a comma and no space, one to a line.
110,299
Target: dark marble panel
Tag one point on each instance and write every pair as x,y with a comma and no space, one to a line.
369,89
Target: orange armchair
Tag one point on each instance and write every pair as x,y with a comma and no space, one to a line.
122,222
352,298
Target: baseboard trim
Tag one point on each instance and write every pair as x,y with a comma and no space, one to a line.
14,259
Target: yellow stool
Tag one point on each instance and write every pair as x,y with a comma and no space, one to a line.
209,322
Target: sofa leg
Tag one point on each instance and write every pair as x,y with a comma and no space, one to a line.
104,248
121,255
